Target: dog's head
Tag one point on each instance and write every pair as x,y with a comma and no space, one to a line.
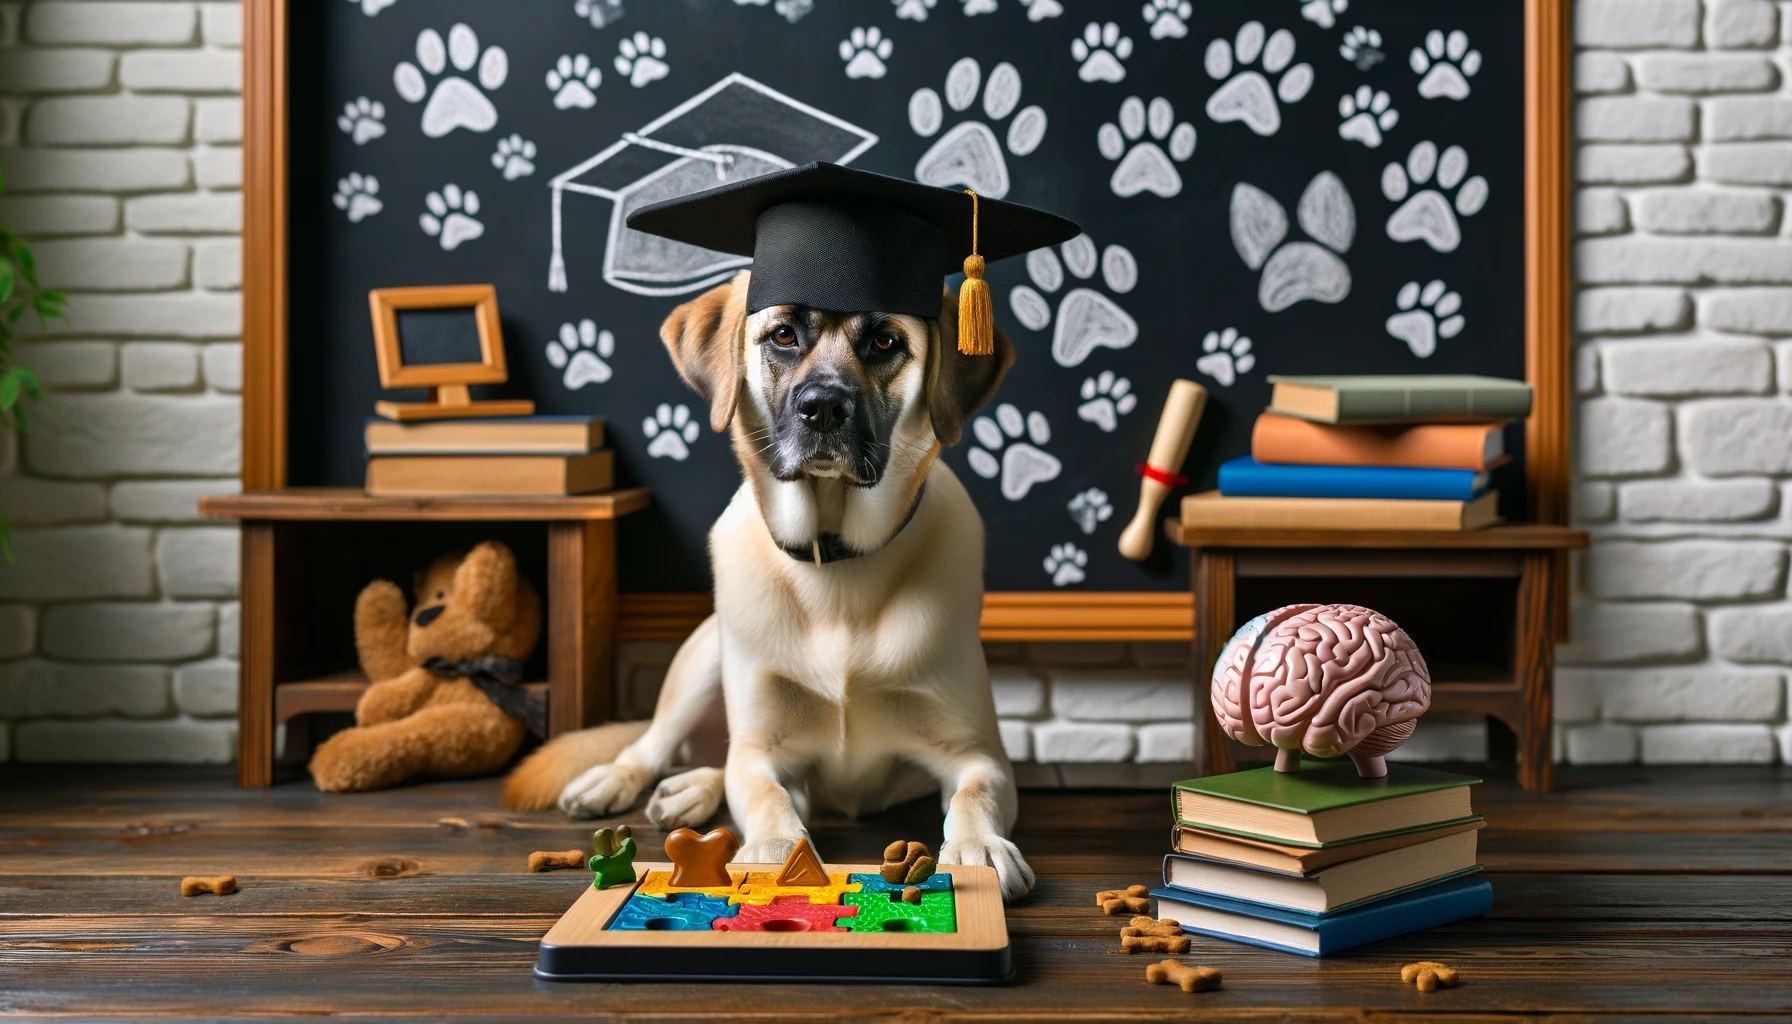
831,394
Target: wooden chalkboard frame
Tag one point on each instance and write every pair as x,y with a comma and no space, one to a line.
1006,615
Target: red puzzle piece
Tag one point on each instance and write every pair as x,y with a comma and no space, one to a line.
788,914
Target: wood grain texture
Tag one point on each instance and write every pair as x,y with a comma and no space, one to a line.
336,504
265,161
1629,891
1216,603
255,653
1534,664
581,613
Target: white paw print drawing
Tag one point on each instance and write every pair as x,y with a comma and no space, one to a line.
373,7
1446,64
1168,18
1225,355
1106,398
1364,115
1101,52
358,196
641,59
514,157
1086,318
1426,314
363,120
1323,13
581,352
600,13
793,11
454,102
1039,10
973,7
914,10
452,216
1065,565
670,432
1021,440
1091,508
1144,165
1362,47
1426,215
1247,96
1297,271
864,50
969,155
574,80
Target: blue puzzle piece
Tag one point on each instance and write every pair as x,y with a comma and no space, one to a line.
681,912
939,881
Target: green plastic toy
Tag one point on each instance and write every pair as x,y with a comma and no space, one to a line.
614,862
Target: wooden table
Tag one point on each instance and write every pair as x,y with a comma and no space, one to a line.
1628,892
307,551
1479,603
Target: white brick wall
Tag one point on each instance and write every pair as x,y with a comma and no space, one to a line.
1683,630
119,146
119,133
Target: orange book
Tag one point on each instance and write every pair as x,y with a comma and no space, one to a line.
1476,446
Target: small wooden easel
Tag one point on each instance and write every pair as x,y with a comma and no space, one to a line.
443,338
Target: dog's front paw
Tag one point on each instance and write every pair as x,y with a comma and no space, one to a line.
604,790
993,851
687,800
768,849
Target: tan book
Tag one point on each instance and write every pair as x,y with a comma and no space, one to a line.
442,475
1301,860
1211,509
1332,888
505,435
1285,439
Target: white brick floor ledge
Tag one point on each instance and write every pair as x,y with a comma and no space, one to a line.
119,136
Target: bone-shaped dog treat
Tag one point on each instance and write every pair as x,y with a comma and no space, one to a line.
1175,945
1143,925
701,861
1429,975
1191,979
193,885
1134,899
548,860
907,863
614,862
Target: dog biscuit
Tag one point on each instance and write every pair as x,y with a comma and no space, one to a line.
1174,945
911,895
1429,975
193,885
906,863
1134,899
548,860
1191,979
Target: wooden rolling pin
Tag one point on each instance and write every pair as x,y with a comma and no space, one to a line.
1175,429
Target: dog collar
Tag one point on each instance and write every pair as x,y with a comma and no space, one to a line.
831,548
501,680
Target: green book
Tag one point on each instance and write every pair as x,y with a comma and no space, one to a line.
1323,804
1411,398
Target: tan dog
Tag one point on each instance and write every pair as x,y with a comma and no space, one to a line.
412,722
848,585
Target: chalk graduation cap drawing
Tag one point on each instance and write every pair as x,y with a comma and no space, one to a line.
735,129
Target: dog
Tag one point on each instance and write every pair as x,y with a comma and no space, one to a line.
844,654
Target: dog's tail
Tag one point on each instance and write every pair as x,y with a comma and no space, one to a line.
536,783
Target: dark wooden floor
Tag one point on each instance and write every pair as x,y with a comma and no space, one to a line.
1626,893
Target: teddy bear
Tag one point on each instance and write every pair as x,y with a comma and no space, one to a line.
444,678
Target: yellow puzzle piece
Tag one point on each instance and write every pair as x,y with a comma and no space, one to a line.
659,883
760,888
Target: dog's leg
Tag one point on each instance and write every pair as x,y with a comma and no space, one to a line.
686,800
762,805
693,689
981,808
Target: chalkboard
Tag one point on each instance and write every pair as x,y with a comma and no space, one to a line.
432,337
1267,187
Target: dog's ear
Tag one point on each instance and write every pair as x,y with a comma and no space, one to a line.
958,385
704,338
485,582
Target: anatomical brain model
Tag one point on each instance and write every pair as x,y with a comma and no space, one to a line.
1329,679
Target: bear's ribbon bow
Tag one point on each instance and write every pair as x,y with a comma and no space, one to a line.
501,680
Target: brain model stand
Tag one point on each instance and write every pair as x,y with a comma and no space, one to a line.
1327,679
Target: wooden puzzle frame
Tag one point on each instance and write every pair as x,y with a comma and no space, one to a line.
580,946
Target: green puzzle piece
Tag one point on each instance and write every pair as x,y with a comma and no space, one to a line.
615,868
878,912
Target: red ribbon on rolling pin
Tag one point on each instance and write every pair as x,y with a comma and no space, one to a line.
1151,472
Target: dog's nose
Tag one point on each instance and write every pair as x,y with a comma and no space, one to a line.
824,407
430,614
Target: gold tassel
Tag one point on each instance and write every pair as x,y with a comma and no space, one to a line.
976,316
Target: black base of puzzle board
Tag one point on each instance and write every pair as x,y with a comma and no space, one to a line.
580,946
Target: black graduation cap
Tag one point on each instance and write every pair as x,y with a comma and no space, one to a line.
841,239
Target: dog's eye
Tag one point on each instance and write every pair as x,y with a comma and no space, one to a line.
784,335
884,342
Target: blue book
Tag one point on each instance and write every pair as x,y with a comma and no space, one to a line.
1294,931
1245,477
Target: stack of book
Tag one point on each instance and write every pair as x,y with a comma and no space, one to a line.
1320,860
497,455
1371,453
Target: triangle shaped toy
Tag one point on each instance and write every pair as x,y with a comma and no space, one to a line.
803,867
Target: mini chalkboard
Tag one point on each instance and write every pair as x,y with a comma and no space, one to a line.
442,338
432,337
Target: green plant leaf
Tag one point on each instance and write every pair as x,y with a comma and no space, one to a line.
9,389
5,542
6,281
21,254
